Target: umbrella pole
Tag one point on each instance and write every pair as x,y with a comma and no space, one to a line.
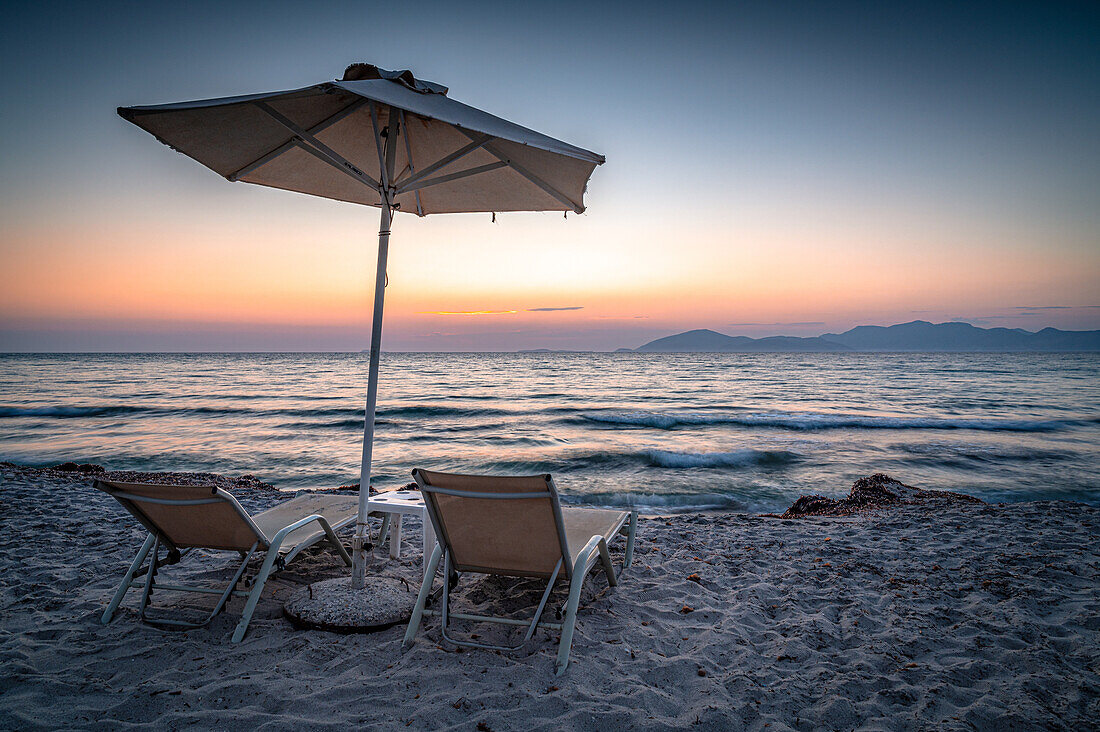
362,534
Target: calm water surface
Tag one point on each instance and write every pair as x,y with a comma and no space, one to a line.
662,431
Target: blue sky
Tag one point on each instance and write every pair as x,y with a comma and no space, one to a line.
772,168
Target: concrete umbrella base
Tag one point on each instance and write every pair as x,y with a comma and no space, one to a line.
334,606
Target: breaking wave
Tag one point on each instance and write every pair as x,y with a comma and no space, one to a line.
650,458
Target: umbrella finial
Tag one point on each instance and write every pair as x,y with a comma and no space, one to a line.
360,71
364,72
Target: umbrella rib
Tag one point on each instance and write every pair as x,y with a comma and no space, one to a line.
495,151
378,144
455,176
315,145
394,130
578,208
328,161
317,128
406,185
409,160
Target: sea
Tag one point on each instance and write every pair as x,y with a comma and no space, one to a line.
662,432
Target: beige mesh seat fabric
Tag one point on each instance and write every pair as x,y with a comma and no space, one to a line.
181,518
516,527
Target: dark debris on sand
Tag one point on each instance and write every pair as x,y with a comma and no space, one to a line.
354,488
873,492
239,485
86,471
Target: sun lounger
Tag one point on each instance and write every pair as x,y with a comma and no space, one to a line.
182,518
516,527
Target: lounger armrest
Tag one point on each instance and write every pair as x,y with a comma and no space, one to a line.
587,556
277,540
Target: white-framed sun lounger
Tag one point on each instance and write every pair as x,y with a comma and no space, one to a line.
182,518
515,526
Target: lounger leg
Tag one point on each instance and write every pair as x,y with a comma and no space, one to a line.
608,568
257,590
422,597
335,541
150,578
576,582
429,545
129,578
630,539
232,584
566,643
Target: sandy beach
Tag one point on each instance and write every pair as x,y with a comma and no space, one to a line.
937,616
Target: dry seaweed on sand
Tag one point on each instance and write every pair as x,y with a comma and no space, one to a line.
873,492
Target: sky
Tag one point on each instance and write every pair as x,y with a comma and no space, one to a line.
772,168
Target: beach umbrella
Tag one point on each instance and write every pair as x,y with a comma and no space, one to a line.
379,138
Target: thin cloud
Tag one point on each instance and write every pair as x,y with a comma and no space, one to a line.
1043,307
554,310
1056,307
622,317
468,312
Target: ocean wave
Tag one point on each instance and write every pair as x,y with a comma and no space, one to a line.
111,410
812,421
981,453
646,458
69,412
736,458
428,410
348,413
659,502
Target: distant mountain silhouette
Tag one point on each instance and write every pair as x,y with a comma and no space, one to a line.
711,341
918,335
921,335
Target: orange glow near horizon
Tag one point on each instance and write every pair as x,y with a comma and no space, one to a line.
525,272
469,312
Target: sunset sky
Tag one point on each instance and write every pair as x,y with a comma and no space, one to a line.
772,168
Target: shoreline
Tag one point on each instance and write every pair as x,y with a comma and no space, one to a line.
954,616
871,493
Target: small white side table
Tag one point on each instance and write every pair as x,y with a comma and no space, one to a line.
403,503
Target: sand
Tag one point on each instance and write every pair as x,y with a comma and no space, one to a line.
968,616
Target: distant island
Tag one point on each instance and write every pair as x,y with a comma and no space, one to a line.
918,335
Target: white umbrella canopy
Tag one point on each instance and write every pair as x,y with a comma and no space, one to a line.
320,140
379,138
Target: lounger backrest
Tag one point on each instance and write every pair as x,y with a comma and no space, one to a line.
186,516
497,525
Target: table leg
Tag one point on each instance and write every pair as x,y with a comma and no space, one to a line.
395,537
